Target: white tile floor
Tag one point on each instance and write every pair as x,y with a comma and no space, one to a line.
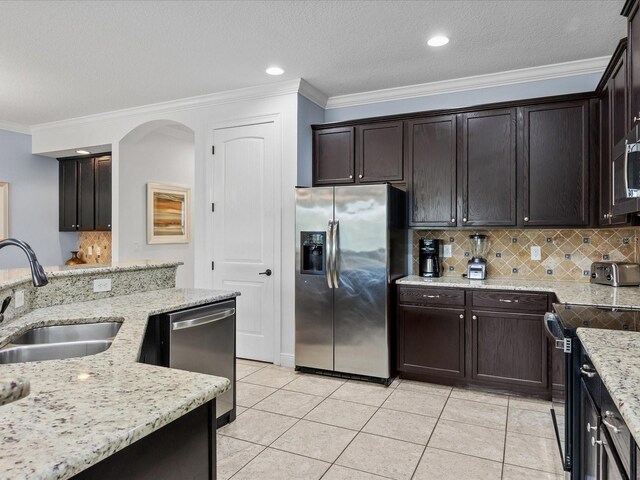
297,426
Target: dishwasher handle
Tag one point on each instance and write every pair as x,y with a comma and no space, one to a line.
196,322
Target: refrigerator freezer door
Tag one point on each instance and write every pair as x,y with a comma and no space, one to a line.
314,297
360,300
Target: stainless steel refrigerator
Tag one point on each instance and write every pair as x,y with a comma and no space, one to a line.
351,245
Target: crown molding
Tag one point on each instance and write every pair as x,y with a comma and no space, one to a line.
201,101
312,93
545,72
15,127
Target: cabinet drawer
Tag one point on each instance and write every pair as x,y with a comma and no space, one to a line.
430,296
529,302
617,428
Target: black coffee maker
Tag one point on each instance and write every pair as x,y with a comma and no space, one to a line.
430,251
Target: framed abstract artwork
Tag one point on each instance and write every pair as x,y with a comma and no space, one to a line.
4,210
168,213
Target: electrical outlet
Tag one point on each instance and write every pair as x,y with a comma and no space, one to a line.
536,253
19,299
446,251
89,251
102,285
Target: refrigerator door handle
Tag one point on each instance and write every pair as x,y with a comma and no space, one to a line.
334,247
328,257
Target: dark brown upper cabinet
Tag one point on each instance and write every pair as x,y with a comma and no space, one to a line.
430,152
83,186
333,156
379,153
86,194
487,159
103,193
361,154
612,101
630,10
68,191
555,164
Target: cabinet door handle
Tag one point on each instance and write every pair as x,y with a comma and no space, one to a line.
605,420
453,220
464,219
587,372
589,428
474,317
526,219
461,316
350,176
360,176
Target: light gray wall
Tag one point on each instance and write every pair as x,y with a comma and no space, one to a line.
540,88
33,203
308,114
159,158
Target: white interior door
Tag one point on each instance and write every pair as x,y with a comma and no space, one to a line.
244,232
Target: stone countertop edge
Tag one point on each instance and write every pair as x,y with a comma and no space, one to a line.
82,410
616,357
579,293
17,276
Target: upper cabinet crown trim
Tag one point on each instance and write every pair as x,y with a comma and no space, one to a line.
523,75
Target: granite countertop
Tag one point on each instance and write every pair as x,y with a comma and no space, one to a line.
616,357
580,293
82,410
15,276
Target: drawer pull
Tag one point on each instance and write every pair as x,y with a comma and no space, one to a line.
505,300
431,296
608,423
587,372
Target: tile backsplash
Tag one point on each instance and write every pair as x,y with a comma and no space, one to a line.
566,254
93,240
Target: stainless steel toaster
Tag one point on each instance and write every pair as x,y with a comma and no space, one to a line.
615,274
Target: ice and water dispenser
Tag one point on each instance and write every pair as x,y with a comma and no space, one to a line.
313,253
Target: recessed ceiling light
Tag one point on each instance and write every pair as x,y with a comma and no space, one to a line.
274,71
438,41
83,152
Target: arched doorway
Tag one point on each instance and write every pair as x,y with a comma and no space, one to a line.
160,151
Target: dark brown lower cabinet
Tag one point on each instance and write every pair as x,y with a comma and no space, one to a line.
509,348
432,341
185,448
481,338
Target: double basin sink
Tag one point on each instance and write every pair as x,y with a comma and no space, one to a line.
56,342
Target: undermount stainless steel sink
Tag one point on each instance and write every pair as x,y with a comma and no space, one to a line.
51,351
68,333
57,342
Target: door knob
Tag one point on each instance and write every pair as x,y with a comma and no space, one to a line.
267,272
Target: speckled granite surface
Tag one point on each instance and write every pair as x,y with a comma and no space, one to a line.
17,276
82,410
616,356
567,292
69,284
13,389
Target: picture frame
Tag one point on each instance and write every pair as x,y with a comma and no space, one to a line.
168,213
4,210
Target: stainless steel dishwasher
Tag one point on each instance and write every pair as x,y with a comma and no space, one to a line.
202,340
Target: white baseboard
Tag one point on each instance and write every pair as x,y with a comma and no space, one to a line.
287,360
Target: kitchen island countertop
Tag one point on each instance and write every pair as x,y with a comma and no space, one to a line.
82,410
616,357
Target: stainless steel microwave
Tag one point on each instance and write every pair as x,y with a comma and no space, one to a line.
625,175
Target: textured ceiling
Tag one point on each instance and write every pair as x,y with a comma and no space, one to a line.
65,59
